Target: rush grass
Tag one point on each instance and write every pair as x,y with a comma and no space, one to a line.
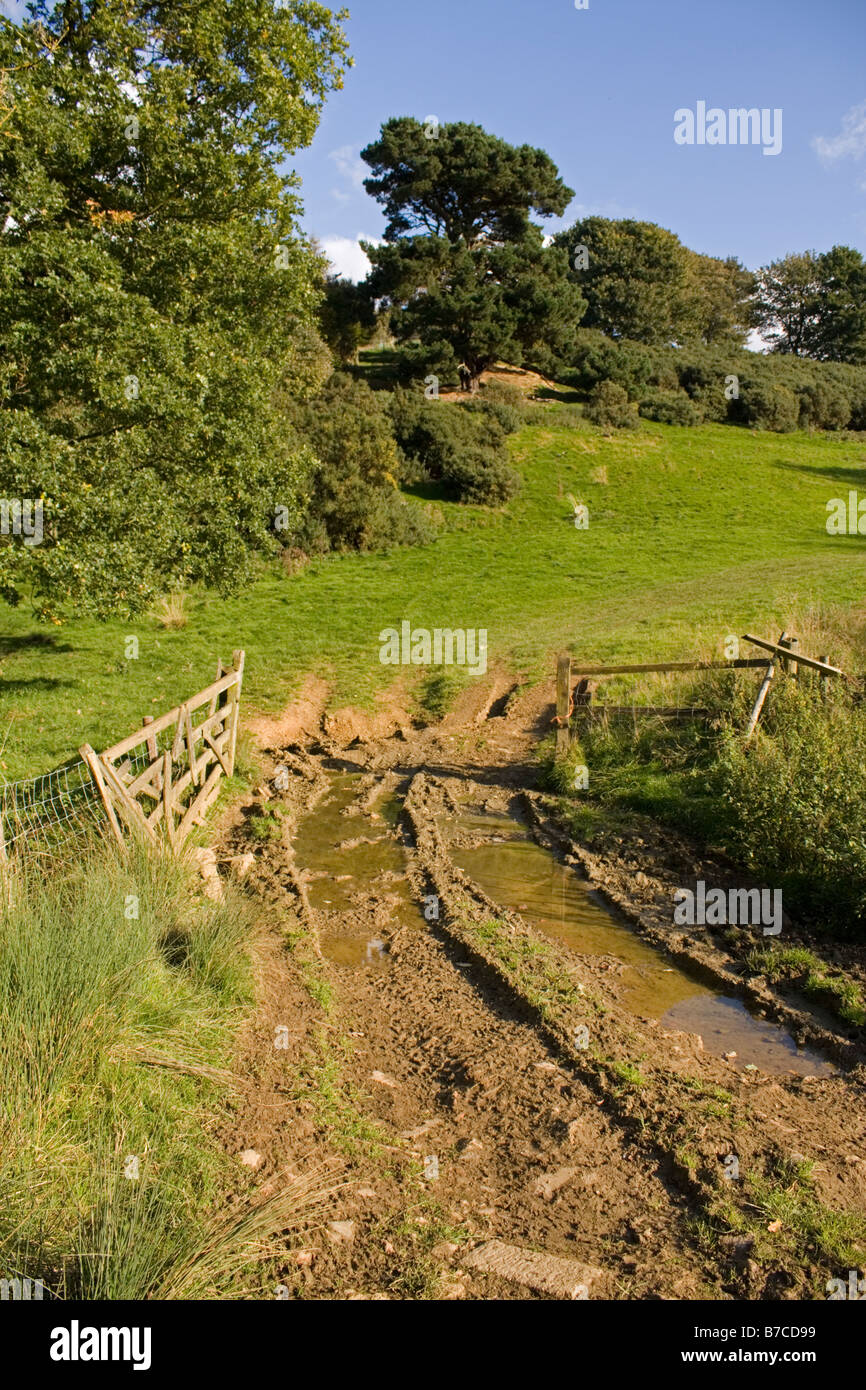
121,989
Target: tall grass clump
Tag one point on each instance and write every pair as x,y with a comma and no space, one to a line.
121,990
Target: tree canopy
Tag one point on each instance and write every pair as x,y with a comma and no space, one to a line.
463,266
155,293
643,284
815,305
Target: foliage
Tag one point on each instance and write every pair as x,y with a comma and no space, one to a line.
815,305
354,501
767,405
670,407
155,294
798,802
462,448
642,283
610,408
464,271
346,316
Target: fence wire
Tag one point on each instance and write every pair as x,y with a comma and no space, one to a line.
47,810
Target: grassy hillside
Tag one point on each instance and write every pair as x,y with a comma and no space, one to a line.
712,527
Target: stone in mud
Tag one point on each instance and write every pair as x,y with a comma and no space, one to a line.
548,1185
250,1159
382,1079
341,1232
543,1273
241,864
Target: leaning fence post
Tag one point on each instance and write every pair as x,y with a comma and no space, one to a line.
563,703
759,703
92,761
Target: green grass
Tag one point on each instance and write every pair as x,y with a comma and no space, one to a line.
713,528
121,989
801,966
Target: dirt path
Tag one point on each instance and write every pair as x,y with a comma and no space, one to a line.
428,1046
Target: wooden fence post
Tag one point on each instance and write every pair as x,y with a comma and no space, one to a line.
89,756
152,751
825,680
563,703
238,665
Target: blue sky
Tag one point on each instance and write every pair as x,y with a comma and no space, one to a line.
598,89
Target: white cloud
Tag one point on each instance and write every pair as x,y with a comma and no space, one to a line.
851,140
350,166
346,257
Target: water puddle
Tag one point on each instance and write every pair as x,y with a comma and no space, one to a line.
342,850
355,951
512,869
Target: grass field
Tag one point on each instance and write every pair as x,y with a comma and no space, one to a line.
713,528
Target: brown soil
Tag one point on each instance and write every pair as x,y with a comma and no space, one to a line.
425,1062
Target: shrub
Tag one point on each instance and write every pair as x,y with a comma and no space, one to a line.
610,408
670,408
354,501
824,406
598,359
461,447
798,812
766,406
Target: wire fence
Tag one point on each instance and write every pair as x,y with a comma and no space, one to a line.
44,812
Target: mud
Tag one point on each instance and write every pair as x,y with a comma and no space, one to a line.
544,1059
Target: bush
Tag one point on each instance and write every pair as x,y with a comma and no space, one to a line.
354,500
610,408
598,359
824,406
670,408
798,813
767,406
463,447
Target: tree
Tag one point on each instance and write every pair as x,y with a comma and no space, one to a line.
787,305
641,283
815,305
155,294
463,268
347,317
839,333
718,303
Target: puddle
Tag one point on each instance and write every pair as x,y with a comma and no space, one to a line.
727,1026
355,951
344,851
522,875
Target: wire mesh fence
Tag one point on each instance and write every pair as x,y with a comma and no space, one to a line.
45,812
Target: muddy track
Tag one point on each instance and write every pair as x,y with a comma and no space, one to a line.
517,1095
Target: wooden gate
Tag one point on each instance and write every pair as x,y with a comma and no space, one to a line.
161,780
